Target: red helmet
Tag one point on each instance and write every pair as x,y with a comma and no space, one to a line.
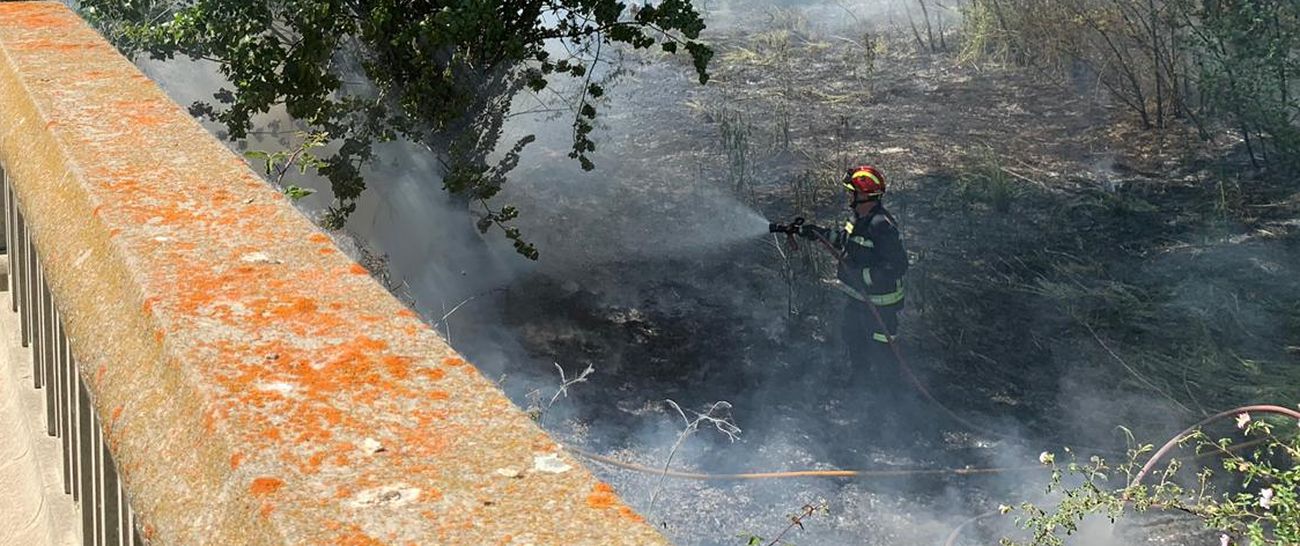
865,179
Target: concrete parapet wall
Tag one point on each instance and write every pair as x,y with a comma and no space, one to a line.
256,386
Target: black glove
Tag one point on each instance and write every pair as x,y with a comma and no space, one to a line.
813,232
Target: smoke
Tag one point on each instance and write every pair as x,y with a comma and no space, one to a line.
632,206
831,15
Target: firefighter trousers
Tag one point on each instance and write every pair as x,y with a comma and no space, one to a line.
874,367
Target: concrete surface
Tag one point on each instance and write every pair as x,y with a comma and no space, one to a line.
256,385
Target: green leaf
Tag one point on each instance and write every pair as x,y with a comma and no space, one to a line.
295,193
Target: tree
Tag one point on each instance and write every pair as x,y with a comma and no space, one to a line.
441,73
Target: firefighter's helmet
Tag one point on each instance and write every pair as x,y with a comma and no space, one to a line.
865,179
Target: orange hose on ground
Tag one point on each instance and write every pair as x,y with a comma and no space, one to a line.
870,473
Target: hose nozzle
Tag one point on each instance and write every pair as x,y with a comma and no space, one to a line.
792,228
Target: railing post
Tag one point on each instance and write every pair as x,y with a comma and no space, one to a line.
73,440
9,238
123,515
45,348
63,402
25,278
85,464
110,511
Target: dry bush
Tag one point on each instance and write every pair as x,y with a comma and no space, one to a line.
1209,63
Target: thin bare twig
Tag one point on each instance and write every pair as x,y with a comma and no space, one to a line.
446,326
796,520
723,424
565,382
537,410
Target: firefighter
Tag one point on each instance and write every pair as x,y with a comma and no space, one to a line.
871,270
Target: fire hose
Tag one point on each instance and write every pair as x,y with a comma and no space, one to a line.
870,473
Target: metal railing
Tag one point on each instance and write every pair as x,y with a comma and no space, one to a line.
89,474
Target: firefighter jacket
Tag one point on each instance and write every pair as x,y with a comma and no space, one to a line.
874,258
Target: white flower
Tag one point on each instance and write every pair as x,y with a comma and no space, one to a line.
1046,458
1004,509
1266,497
1242,419
1223,540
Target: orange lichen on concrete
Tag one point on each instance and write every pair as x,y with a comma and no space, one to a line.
235,460
299,306
432,374
141,114
332,415
421,444
398,367
358,269
630,514
601,496
209,422
355,537
313,463
453,361
32,15
265,485
545,445
341,458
